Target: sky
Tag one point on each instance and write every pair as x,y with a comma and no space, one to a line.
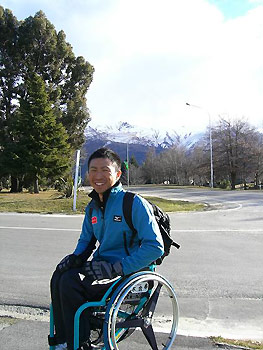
151,57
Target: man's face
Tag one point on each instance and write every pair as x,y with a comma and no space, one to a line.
103,174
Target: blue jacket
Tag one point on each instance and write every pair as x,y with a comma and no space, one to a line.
115,236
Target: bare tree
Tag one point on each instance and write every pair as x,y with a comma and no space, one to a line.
237,158
150,168
175,167
199,163
136,175
259,161
235,145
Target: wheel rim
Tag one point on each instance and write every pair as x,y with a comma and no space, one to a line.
145,322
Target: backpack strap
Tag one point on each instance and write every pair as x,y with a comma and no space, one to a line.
127,212
127,209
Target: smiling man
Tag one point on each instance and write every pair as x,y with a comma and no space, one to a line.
103,174
82,276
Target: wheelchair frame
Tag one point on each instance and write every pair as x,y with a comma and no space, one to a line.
113,329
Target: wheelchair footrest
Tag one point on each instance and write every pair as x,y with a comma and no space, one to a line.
85,346
52,341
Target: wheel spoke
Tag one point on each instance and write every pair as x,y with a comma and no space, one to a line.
150,336
152,302
131,323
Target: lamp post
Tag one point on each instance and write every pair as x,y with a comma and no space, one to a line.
128,168
210,142
76,180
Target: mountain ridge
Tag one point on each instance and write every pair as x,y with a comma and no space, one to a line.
138,141
126,133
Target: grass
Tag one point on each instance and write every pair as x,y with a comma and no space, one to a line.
173,206
249,344
51,201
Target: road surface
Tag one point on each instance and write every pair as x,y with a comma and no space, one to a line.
217,273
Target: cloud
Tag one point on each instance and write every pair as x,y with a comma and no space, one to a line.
149,27
153,56
160,56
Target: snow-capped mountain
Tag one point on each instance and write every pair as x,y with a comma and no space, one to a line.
123,132
124,137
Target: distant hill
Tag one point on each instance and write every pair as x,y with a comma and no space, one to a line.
139,141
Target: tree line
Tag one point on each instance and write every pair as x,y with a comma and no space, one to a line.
237,158
43,107
43,116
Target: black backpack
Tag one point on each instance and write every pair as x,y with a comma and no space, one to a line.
162,219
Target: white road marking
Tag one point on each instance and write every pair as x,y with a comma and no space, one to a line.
220,230
42,215
39,228
78,230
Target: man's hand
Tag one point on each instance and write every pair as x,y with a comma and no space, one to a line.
99,270
68,262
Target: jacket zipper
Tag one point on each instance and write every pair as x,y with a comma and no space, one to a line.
103,227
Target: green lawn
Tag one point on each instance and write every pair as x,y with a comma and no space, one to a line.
244,344
172,206
51,201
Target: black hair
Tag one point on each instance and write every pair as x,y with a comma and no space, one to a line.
106,153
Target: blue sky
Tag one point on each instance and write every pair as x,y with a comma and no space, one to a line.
153,56
234,8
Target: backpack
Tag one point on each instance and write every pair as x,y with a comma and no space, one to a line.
162,219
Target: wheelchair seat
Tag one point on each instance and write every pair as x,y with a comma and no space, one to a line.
141,308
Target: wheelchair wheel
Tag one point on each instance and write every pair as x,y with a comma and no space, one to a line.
143,307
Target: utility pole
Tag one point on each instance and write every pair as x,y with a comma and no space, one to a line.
128,168
76,181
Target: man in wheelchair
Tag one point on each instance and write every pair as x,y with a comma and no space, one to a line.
78,277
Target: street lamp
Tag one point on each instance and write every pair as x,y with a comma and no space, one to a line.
76,181
211,144
128,167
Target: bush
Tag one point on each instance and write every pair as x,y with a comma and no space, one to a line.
65,186
224,184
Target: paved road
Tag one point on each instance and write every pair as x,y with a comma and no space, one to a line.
29,335
217,273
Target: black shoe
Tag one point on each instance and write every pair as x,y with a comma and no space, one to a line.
87,345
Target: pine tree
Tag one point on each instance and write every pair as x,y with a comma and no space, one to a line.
41,146
133,161
9,80
46,52
34,46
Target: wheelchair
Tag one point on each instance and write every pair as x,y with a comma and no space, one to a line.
141,307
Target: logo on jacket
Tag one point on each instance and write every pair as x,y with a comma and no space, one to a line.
94,220
117,218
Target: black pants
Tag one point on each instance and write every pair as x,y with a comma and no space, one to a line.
69,291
